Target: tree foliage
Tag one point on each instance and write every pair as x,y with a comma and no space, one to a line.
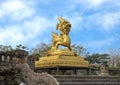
5,48
114,57
40,50
80,50
98,58
10,48
21,47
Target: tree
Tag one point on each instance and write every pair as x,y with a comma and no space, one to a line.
5,48
98,58
20,47
10,48
80,50
40,50
114,57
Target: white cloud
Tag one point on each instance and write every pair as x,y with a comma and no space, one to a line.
103,21
89,4
110,20
10,35
76,21
25,33
37,25
95,3
15,10
100,43
19,29
96,14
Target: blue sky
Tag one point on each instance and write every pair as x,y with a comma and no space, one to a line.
95,23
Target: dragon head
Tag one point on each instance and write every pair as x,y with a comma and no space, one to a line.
63,24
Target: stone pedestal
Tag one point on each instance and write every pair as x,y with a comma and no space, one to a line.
61,58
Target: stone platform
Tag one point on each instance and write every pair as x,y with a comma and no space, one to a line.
62,57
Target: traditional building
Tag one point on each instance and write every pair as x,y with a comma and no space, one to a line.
14,56
8,69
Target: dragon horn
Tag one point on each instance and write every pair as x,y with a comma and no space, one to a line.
61,19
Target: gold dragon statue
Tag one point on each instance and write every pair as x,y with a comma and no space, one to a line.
61,57
63,39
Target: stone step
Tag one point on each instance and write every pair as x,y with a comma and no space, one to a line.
85,77
89,83
88,80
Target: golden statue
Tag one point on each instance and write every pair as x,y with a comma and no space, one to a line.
63,39
61,57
